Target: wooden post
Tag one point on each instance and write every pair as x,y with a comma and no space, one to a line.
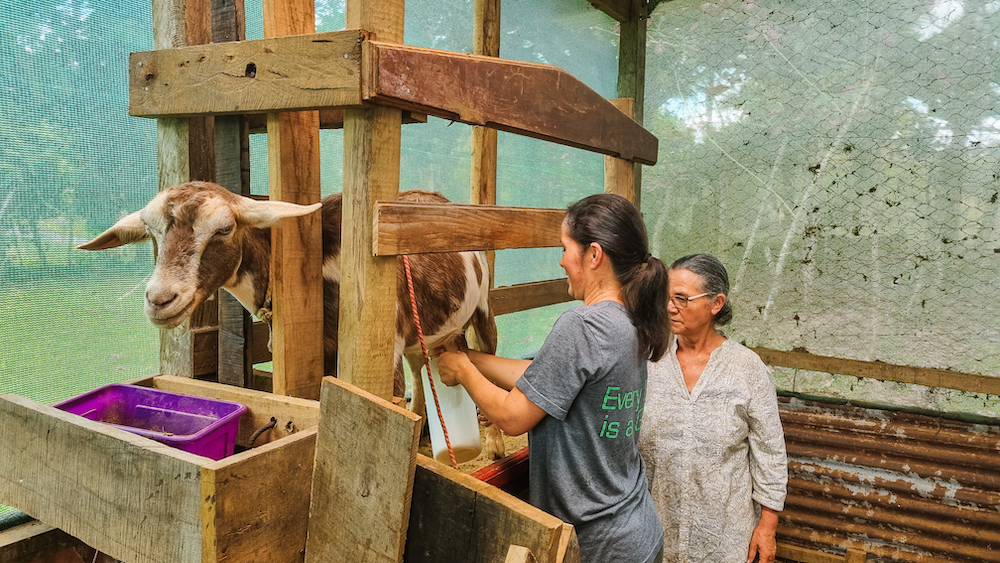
232,171
619,175
485,41
185,152
371,173
632,71
296,246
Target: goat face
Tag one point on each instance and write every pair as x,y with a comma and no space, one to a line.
198,230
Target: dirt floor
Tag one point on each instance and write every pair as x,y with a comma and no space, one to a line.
511,444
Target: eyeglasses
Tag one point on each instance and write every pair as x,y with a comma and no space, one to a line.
681,302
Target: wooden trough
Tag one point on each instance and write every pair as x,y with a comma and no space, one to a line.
141,501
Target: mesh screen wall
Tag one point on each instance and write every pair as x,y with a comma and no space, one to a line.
843,160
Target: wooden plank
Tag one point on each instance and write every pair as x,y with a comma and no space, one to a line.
261,508
620,10
456,517
619,175
409,228
363,481
292,413
632,71
483,189
882,371
525,296
115,491
536,100
266,75
855,556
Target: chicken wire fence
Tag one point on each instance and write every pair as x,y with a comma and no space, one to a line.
843,161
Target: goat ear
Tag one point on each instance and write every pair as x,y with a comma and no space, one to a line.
267,213
126,231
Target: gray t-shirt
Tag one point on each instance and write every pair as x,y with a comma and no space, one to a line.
585,466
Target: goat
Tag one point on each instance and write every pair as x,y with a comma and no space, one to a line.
206,238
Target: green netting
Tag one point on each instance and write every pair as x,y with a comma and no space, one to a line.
843,160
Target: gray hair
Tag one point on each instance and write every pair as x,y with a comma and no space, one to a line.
714,279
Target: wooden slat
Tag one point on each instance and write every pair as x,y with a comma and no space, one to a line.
363,480
264,518
260,76
411,228
882,371
292,413
620,10
483,189
536,100
619,175
455,513
99,484
525,296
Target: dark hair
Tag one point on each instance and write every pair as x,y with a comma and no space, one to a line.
614,223
714,279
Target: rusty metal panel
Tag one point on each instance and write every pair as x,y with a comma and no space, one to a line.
900,486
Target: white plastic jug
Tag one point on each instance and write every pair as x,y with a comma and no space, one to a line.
459,416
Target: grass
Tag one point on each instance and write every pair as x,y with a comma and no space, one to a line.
59,338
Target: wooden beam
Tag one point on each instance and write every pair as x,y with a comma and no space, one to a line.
412,228
929,377
525,296
297,245
536,100
363,480
632,72
483,189
619,175
620,10
265,75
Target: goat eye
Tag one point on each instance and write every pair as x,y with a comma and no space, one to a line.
224,231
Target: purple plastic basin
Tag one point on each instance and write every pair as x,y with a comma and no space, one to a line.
206,427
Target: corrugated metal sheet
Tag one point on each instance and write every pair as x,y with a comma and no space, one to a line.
900,486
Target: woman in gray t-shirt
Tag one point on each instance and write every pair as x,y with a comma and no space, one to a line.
581,399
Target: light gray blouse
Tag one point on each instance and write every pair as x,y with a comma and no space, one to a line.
714,454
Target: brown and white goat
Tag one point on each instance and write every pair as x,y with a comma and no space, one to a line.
206,238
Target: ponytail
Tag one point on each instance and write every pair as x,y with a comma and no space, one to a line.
613,222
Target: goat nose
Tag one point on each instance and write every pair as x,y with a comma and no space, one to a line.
160,298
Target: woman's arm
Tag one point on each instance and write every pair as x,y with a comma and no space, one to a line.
509,409
502,372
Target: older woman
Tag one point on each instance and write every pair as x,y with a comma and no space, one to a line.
711,437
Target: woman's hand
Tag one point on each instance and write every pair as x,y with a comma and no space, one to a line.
451,364
763,542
